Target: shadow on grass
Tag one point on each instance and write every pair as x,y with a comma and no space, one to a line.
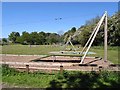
85,80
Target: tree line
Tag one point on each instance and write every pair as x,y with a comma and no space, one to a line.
42,38
34,38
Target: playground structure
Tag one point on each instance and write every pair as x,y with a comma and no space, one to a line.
41,63
75,61
93,35
89,42
71,37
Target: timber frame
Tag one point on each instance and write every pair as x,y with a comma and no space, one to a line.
93,35
90,40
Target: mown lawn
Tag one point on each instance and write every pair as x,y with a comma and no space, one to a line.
69,79
112,53
26,49
45,49
22,79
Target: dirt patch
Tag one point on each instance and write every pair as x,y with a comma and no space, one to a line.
18,58
87,60
20,62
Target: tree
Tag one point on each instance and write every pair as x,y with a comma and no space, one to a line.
52,38
69,33
73,30
4,41
86,30
13,36
114,30
20,40
26,38
42,38
34,38
84,36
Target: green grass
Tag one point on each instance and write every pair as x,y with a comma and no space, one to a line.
23,79
45,49
112,53
29,80
25,49
69,79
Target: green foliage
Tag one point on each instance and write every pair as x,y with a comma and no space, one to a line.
113,31
43,38
75,79
69,79
69,33
85,34
23,79
13,36
4,41
38,38
53,38
8,71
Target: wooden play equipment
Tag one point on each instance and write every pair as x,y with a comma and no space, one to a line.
69,40
93,35
64,61
82,55
91,39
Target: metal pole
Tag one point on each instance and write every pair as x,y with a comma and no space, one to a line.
105,38
93,38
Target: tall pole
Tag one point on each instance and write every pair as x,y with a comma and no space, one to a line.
105,38
100,22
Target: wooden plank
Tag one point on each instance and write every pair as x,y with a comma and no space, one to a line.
71,55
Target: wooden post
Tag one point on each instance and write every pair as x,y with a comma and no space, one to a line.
61,69
27,68
105,38
100,22
54,58
100,68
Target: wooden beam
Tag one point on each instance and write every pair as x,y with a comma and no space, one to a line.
67,42
89,39
101,20
105,38
72,45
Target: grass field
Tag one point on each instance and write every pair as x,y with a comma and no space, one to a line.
45,49
69,79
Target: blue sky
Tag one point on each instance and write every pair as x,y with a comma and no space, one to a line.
40,16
